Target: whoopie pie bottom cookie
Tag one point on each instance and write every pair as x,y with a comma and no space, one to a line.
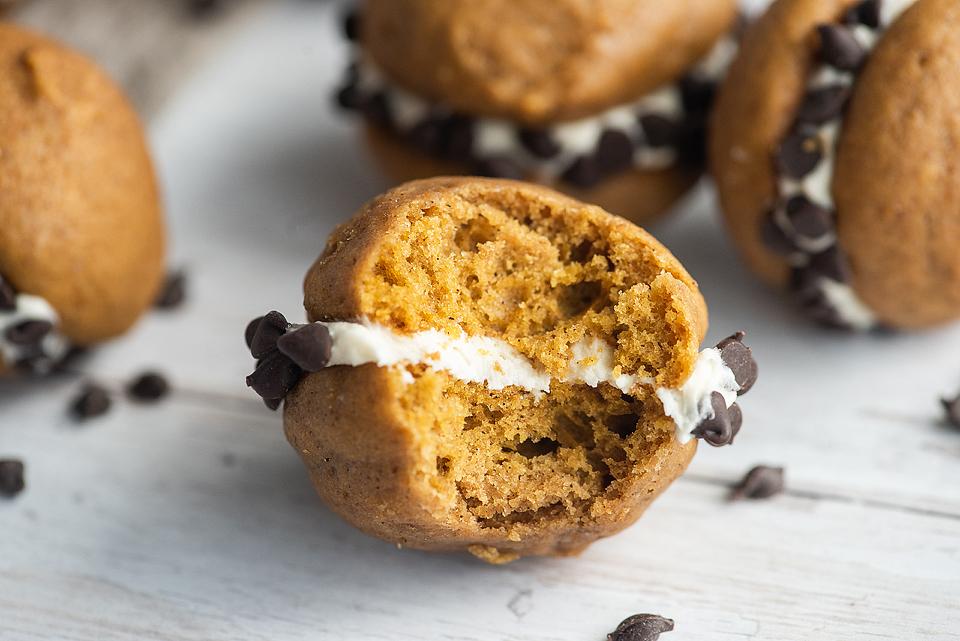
847,109
494,367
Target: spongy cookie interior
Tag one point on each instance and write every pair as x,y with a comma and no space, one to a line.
540,277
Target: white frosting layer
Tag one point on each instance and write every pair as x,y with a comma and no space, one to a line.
32,308
496,364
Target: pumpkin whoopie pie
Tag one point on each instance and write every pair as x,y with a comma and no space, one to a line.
81,230
834,146
495,367
604,100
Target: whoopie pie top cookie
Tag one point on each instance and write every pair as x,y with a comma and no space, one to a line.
492,366
600,98
834,145
81,232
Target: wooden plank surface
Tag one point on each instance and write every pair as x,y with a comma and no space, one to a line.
194,519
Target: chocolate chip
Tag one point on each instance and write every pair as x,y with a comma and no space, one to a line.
839,48
823,104
376,108
697,94
271,327
614,151
11,477
951,408
148,387
498,167
582,172
808,218
641,627
29,332
274,376
92,401
427,135
8,297
866,13
739,358
774,238
660,131
761,482
457,140
723,425
251,331
538,142
830,263
309,346
173,292
799,153
272,403
350,97
351,25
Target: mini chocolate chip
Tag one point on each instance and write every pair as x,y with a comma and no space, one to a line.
774,238
308,346
697,94
498,167
951,408
831,264
641,627
723,425
29,332
376,108
274,376
271,327
799,153
866,13
251,331
538,142
8,297
148,387
350,97
457,141
761,482
92,401
614,151
11,477
808,218
173,292
427,135
582,172
739,358
823,104
659,130
351,25
839,48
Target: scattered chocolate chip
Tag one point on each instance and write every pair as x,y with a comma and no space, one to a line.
761,482
831,264
173,292
697,94
739,358
11,477
866,13
8,297
274,376
641,627
538,142
582,172
660,131
351,25
376,108
799,153
839,48
271,327
457,139
823,104
92,401
350,97
309,346
498,167
148,387
774,238
722,427
29,332
614,151
808,218
427,135
951,408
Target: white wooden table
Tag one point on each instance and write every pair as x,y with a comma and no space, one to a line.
193,520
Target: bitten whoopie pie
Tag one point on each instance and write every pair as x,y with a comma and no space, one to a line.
81,231
492,366
834,147
604,100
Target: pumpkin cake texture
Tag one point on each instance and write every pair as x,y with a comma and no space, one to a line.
492,366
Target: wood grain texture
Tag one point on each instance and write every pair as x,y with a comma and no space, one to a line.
193,520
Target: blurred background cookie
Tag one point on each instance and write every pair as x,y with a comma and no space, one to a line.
606,101
834,146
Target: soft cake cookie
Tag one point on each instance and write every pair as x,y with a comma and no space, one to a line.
81,231
492,366
604,100
834,144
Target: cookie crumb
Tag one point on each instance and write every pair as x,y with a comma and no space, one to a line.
761,482
11,477
92,401
641,627
173,292
149,387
